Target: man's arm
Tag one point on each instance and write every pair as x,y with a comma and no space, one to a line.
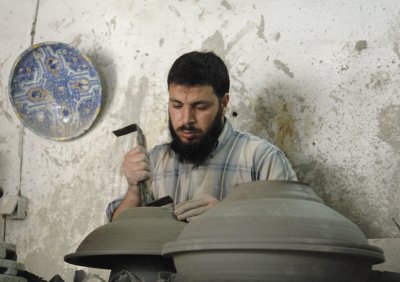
130,200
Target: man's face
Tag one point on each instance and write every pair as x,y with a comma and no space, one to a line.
196,116
192,109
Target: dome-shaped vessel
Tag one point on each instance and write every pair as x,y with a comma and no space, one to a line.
132,242
272,231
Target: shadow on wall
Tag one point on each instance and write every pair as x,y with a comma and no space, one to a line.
333,186
275,115
107,73
284,116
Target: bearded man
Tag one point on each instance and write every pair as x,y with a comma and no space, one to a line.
206,156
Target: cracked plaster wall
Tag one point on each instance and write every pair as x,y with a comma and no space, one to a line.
320,79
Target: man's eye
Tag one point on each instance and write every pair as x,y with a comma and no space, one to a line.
201,107
176,106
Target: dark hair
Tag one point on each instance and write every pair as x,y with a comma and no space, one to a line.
200,68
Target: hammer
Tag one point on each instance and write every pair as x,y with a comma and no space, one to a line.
140,140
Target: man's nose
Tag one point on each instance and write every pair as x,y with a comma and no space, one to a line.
188,115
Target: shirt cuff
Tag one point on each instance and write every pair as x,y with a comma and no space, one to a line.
112,206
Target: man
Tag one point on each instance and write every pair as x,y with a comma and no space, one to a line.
206,156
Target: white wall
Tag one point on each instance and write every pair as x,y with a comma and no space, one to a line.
301,78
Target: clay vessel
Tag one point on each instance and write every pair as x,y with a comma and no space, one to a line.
134,240
272,231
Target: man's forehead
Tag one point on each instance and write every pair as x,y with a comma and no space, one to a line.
178,92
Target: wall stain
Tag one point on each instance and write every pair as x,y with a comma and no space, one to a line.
265,114
244,69
1,67
111,26
175,10
161,42
361,45
226,5
276,118
389,126
283,67
285,125
239,36
134,95
215,43
337,100
261,29
77,40
378,80
277,36
396,49
201,15
7,116
57,25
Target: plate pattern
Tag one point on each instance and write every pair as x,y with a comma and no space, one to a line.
55,91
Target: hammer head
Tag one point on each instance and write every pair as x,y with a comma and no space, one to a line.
126,130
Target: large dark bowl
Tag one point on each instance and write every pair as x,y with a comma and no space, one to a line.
134,240
272,231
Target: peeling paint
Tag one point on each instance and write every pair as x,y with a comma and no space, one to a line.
239,36
336,99
396,49
77,40
111,26
378,80
261,29
201,15
175,10
283,67
7,116
389,126
57,25
361,45
244,68
215,43
226,5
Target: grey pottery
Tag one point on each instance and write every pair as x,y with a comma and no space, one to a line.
132,242
272,231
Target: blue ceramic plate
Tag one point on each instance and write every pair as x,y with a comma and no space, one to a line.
55,91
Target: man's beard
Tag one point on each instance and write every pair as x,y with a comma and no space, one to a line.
196,152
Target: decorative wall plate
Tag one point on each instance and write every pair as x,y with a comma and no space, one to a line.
55,91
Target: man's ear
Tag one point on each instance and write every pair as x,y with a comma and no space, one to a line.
225,100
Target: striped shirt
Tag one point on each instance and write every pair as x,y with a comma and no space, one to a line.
237,158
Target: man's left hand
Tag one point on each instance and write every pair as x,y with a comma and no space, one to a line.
189,209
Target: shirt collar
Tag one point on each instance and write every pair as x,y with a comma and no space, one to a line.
225,135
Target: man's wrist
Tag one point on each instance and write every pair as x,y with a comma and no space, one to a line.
133,193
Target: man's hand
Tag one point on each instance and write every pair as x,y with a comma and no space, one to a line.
189,209
136,166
